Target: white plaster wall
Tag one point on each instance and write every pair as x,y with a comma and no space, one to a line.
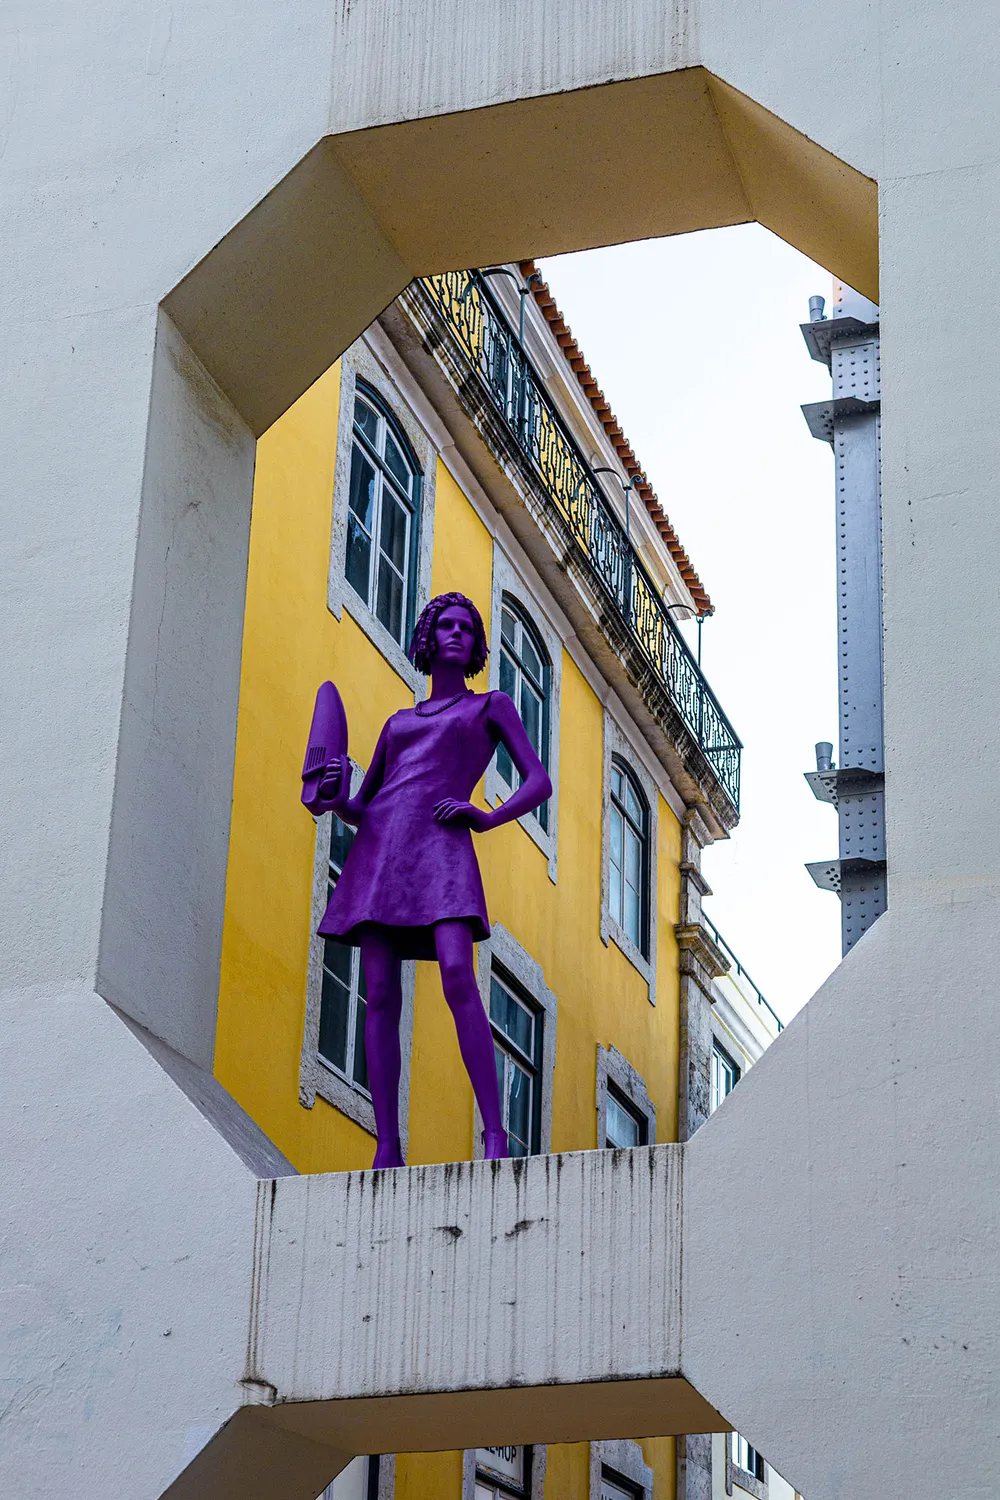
131,138
161,940
862,1335
125,1258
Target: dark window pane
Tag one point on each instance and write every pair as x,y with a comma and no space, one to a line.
392,538
519,1108
512,1018
333,1015
615,873
617,837
616,782
360,1056
359,555
361,495
508,685
396,463
622,1127
341,839
531,659
505,766
615,899
508,628
633,858
508,676
389,604
631,922
531,716
366,419
337,959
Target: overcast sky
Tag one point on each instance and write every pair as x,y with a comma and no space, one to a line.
695,343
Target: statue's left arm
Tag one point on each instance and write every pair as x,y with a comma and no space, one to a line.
505,722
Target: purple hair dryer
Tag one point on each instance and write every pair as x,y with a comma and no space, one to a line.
327,743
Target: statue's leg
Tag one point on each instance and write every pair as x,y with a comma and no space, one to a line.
453,941
384,1008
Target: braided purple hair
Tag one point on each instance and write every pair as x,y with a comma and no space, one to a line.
421,651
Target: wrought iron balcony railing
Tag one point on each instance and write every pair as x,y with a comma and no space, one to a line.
530,417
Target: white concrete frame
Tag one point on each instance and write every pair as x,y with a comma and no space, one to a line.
360,360
617,744
508,581
615,1068
180,267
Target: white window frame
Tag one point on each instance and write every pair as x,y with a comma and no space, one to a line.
618,746
615,1074
739,1478
503,950
634,828
508,581
724,1057
354,987
390,381
318,1076
515,1059
538,687
387,489
620,1456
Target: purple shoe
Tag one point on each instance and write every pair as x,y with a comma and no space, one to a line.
495,1145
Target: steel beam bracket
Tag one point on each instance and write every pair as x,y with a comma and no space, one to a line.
819,336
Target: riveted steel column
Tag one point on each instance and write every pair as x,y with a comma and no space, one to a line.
848,343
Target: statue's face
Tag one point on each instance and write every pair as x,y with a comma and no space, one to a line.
454,636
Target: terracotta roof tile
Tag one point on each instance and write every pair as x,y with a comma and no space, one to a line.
575,358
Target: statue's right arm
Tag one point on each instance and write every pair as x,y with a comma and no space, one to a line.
352,809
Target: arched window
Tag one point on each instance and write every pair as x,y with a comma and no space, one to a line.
526,675
383,505
628,856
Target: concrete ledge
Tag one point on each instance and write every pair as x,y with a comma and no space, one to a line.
470,1274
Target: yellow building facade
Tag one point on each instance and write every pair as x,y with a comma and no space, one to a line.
458,445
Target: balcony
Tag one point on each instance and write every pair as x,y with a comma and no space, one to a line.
496,380
741,978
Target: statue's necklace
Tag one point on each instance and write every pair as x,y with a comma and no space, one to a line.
417,707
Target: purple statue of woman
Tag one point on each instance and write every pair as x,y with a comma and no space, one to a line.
410,886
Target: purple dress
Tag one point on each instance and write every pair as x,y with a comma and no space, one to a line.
405,871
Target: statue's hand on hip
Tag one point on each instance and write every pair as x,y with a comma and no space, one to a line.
463,815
